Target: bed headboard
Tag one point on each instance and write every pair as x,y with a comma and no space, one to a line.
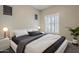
19,32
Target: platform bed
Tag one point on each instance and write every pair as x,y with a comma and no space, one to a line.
41,43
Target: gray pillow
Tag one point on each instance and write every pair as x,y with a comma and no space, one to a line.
34,33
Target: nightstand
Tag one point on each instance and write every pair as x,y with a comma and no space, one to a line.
4,43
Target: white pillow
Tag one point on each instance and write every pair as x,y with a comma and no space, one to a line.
20,32
29,30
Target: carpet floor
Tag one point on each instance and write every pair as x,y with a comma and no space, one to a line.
71,48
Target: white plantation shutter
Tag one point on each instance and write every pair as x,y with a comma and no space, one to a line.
52,23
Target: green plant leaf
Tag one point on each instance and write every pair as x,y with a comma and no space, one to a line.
74,32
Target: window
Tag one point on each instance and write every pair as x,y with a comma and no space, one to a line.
52,23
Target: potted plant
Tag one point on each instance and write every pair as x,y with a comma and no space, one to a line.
74,34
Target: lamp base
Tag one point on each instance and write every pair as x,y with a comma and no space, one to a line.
5,35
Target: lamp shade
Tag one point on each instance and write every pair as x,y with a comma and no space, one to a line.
5,29
38,27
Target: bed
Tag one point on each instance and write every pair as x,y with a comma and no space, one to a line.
39,43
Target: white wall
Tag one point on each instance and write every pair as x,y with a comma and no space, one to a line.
22,17
69,17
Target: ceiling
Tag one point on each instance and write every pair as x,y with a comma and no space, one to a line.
40,7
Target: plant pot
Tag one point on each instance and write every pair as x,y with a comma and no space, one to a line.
75,41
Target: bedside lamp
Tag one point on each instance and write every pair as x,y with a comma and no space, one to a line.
38,27
5,29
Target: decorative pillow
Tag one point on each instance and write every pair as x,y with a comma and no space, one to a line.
20,32
33,33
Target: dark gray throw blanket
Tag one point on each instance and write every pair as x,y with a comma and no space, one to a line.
24,42
55,46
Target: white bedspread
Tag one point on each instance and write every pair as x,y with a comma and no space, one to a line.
41,44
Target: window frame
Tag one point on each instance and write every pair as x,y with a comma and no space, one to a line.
57,16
